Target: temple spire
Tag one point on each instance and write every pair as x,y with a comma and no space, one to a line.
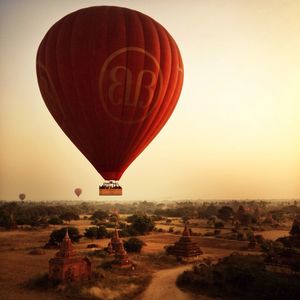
66,247
67,235
121,257
186,230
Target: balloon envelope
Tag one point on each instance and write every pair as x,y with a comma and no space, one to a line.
78,191
111,78
22,196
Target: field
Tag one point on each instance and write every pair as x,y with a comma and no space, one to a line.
17,265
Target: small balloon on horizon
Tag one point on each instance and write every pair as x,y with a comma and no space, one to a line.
22,196
78,192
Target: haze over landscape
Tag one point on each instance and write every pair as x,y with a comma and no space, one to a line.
235,132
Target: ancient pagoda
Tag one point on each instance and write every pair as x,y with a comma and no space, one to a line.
256,215
115,240
121,257
67,266
185,249
240,213
269,219
295,233
295,230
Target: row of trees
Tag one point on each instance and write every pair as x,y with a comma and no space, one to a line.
13,214
138,225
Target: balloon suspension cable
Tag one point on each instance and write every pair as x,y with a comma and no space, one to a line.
110,188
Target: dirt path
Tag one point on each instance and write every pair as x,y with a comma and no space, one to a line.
163,286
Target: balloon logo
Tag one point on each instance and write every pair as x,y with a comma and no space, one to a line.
133,88
78,191
111,78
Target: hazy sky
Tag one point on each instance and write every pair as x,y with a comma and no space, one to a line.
234,134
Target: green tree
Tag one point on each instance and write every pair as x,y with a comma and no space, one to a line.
57,235
102,232
55,220
94,232
134,245
142,224
225,213
99,215
69,216
91,233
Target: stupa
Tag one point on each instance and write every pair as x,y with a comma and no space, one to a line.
256,215
115,240
121,258
67,266
295,230
185,249
269,219
240,213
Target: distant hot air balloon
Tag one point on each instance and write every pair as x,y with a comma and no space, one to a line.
22,196
78,191
111,78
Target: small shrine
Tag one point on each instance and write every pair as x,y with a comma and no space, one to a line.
240,213
269,220
67,266
185,249
115,240
116,247
256,215
295,233
295,230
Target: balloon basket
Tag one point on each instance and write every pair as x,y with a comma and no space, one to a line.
110,188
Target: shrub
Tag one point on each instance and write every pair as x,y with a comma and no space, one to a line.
69,216
225,213
99,232
241,277
58,235
37,252
142,224
99,215
219,224
40,282
91,233
134,245
55,220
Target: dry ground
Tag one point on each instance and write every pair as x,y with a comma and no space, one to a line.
17,265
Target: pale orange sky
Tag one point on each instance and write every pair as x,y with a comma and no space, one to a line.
234,134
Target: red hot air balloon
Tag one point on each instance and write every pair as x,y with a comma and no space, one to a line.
22,196
78,191
111,78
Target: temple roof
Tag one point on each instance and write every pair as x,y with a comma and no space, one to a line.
66,247
185,247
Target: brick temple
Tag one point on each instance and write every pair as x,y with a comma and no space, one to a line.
67,266
115,240
185,249
116,247
269,219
